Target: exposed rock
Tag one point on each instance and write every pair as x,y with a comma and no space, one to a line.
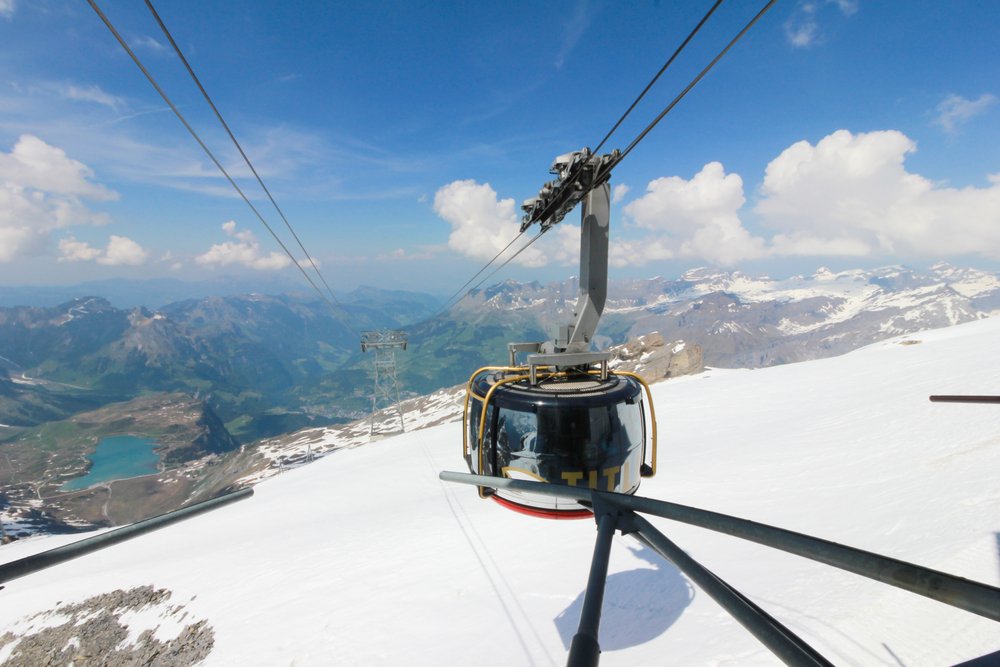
654,359
93,632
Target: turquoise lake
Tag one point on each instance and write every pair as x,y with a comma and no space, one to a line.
118,457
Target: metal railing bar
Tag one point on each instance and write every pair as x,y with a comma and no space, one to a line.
34,563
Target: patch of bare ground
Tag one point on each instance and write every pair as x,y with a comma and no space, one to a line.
95,632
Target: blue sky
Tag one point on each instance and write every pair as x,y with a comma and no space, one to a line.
400,137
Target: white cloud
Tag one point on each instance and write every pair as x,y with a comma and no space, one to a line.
37,165
93,94
244,250
41,189
802,28
618,192
421,253
695,218
847,195
168,258
851,195
847,7
955,110
7,8
481,224
147,42
575,26
120,251
801,33
71,250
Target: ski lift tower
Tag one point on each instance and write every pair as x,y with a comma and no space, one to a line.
385,393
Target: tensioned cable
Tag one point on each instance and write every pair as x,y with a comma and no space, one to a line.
246,159
208,151
534,238
667,64
694,82
509,259
684,92
469,281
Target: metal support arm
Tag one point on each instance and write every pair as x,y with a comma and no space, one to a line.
972,596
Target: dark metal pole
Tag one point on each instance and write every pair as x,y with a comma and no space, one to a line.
965,399
972,596
781,641
30,564
585,651
966,594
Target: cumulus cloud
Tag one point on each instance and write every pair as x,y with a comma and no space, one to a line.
482,225
955,110
34,164
851,194
120,251
847,195
243,250
71,250
42,189
697,218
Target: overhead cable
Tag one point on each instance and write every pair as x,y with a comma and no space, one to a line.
205,148
509,259
616,159
667,64
695,81
246,159
469,281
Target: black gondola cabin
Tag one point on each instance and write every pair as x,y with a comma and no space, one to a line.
576,427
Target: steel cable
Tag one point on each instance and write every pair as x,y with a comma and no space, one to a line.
208,152
246,159
649,127
694,82
667,64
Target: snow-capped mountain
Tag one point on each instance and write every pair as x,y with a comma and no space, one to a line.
752,321
365,557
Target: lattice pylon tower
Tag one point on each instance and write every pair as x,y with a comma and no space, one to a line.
385,393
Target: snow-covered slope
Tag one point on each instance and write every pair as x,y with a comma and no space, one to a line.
366,558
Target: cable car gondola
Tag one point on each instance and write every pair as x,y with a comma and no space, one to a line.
575,427
562,416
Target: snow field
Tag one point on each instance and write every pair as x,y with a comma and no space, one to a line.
366,558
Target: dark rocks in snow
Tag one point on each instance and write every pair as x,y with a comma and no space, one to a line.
93,632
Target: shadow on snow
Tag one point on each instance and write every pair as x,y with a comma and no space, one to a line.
639,605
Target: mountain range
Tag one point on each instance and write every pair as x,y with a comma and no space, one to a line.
265,363
743,321
269,364
262,368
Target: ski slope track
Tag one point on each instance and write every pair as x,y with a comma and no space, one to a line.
366,558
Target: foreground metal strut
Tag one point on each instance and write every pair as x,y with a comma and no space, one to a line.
614,511
40,561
